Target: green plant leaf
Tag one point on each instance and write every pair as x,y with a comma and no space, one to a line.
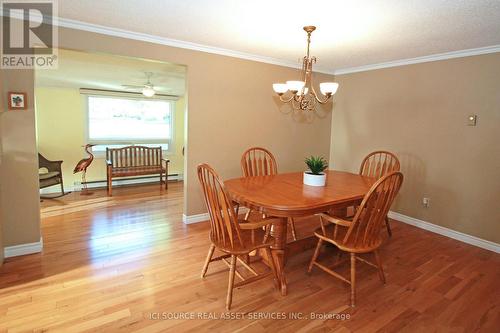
316,164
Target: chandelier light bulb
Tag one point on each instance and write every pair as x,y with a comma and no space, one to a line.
295,86
328,88
280,88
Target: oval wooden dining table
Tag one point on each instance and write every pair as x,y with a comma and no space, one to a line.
284,195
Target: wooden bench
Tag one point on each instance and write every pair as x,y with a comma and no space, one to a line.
135,161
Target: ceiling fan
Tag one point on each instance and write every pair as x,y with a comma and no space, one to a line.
147,89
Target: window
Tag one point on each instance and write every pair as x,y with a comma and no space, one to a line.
115,121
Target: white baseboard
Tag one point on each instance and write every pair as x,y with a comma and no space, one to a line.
197,218
472,240
101,184
23,249
190,219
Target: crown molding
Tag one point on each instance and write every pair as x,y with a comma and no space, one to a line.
115,32
417,60
143,37
79,25
122,33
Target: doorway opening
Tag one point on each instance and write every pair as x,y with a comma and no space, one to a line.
94,102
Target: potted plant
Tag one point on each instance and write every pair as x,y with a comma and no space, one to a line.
315,176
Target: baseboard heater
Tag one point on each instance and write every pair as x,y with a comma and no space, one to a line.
130,180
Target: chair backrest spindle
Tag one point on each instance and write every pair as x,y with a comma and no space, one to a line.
224,228
379,163
257,161
366,224
134,156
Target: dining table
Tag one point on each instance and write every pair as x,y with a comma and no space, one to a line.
284,196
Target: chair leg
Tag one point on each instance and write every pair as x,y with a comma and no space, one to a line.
269,255
267,233
207,261
387,225
379,265
166,176
62,187
232,269
315,255
291,223
110,186
339,255
353,279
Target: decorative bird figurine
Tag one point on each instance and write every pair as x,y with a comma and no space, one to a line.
82,167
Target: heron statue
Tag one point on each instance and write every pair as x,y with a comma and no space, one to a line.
82,167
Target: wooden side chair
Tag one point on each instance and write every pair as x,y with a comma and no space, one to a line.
257,161
229,236
362,234
377,164
53,175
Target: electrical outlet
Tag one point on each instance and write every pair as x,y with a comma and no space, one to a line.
426,202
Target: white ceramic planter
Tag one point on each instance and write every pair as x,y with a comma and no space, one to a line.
314,180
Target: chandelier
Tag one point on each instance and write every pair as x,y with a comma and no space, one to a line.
302,94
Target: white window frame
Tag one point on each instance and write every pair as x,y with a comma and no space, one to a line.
86,93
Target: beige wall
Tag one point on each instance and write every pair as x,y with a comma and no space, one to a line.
19,176
61,121
420,113
231,106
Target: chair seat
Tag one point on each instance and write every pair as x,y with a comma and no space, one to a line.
48,175
138,170
338,239
246,237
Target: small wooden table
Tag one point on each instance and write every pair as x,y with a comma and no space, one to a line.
284,195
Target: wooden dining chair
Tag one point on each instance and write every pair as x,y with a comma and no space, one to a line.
362,234
229,236
377,164
257,161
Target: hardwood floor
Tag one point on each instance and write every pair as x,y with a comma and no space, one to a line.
116,264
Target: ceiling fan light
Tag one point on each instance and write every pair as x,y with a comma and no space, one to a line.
328,88
280,88
148,91
295,86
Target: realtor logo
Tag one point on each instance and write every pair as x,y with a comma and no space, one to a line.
29,34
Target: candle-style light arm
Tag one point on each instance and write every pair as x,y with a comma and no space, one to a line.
286,100
328,96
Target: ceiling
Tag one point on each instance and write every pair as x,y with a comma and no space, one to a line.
350,33
109,72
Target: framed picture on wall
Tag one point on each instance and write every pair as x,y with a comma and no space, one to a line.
17,101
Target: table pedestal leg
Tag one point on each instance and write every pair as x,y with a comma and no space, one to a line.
278,249
340,212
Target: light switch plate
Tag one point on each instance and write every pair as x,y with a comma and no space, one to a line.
471,120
